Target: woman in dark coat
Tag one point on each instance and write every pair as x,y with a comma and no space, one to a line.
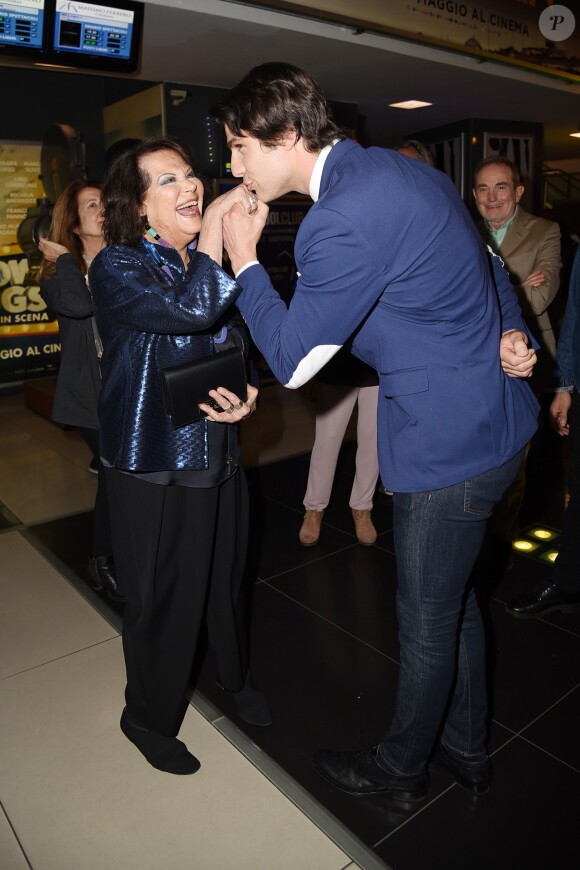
178,497
75,237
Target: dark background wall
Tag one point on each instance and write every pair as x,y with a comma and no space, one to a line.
34,99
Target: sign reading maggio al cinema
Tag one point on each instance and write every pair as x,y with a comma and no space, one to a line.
510,30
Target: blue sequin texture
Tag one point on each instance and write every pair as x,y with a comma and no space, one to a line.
151,313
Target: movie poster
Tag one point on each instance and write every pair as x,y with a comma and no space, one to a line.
29,345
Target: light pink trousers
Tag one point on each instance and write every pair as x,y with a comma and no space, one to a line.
335,405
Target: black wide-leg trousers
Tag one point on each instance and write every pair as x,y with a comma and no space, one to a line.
176,550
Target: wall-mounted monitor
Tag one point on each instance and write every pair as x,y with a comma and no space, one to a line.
104,36
70,33
22,25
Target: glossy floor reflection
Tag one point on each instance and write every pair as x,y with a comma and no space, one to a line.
325,652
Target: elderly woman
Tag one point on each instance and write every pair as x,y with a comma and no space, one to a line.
178,497
75,238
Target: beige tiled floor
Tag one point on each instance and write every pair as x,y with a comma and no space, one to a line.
74,793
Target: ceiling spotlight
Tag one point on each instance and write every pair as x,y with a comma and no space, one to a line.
409,104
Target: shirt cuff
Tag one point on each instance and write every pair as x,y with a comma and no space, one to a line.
247,266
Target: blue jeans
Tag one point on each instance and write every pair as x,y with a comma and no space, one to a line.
442,682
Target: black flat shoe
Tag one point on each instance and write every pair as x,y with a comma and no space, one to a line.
101,573
164,753
475,776
359,773
251,704
544,599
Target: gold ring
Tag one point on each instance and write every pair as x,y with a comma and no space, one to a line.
230,410
239,405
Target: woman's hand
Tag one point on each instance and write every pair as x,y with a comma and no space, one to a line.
239,195
51,251
234,409
558,413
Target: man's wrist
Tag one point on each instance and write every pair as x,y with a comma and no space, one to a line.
247,264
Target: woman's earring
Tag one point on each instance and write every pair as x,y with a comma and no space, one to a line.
151,231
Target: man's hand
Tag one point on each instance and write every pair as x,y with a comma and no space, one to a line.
558,413
242,233
517,359
534,280
211,240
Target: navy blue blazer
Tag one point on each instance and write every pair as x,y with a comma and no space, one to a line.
390,255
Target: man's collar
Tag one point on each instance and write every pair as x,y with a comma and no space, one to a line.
316,177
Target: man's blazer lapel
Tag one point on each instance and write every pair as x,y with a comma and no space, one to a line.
515,233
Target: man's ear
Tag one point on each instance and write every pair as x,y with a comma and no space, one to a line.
519,192
289,139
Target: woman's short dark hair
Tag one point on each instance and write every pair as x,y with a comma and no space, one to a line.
125,186
273,99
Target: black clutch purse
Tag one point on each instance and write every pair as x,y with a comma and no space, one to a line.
186,385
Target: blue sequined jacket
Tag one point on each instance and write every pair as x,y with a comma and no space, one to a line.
152,313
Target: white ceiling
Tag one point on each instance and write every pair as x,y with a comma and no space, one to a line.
214,42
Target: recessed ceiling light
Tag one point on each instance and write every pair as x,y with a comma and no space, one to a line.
409,104
577,135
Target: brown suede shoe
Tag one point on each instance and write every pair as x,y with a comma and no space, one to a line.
310,531
365,531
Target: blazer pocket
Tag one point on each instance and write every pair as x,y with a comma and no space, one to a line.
404,382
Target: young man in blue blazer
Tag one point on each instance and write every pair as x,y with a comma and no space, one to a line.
388,256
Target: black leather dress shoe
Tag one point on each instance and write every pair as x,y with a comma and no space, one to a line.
544,599
475,776
102,576
359,773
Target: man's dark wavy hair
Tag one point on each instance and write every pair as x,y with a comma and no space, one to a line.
273,99
125,186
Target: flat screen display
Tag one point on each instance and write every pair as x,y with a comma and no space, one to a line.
97,35
22,26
